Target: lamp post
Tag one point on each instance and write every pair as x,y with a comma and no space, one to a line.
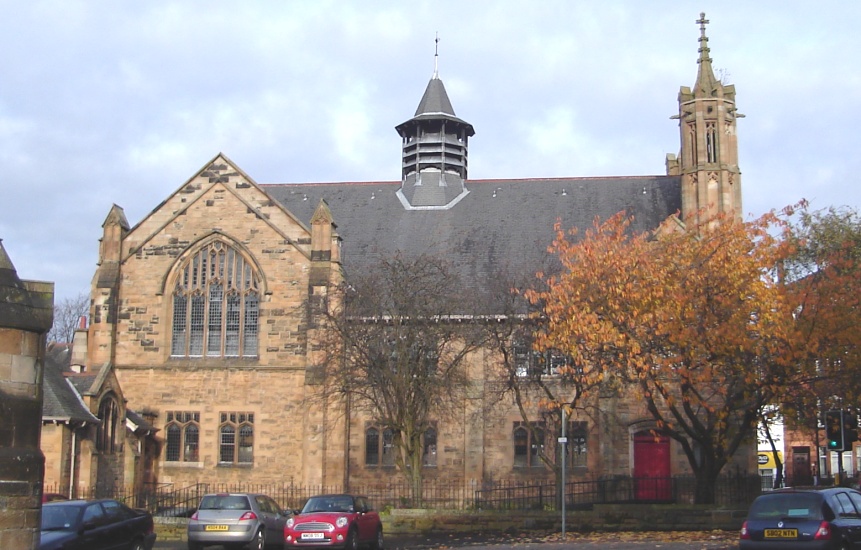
563,441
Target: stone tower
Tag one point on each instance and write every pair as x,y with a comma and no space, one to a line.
435,145
708,159
26,316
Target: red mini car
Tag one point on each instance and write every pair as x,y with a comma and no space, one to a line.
335,521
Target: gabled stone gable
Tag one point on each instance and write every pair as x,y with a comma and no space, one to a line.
216,182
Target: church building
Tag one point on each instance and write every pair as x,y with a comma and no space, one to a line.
201,309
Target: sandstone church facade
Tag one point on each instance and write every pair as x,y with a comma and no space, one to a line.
200,310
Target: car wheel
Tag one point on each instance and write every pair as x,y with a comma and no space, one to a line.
352,540
259,542
138,545
378,541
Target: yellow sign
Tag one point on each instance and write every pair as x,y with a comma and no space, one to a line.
765,459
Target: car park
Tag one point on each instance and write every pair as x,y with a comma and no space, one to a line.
252,520
796,519
335,521
95,525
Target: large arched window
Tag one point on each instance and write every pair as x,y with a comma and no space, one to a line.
216,305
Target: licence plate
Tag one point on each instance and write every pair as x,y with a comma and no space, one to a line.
781,533
215,528
315,536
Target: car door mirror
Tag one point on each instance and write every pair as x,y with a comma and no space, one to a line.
89,525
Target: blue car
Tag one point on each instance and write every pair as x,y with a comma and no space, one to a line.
797,519
95,525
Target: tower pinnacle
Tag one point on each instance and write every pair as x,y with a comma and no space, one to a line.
708,156
706,81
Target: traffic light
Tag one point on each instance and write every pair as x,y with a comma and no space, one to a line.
850,430
834,430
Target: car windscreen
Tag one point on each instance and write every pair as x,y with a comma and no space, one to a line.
329,504
787,506
224,502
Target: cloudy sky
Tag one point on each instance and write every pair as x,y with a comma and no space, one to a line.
105,102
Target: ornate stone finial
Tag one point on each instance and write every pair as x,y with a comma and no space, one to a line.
436,57
704,41
702,21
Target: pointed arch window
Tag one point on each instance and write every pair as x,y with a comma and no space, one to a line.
692,145
109,411
528,444
216,305
711,142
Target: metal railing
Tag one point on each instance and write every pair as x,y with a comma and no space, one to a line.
168,500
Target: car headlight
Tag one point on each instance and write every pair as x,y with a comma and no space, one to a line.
341,522
290,523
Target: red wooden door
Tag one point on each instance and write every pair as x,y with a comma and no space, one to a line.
652,467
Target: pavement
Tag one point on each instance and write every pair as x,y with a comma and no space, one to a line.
711,540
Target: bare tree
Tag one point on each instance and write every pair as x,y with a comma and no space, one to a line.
396,346
67,315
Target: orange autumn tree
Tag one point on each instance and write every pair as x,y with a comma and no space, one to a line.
693,319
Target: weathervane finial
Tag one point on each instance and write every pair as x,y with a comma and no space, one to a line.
436,57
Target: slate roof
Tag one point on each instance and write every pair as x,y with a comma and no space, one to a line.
82,382
60,400
434,105
141,424
502,226
435,100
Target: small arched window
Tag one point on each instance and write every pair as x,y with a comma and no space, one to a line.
216,305
379,446
182,435
372,447
528,444
236,438
429,447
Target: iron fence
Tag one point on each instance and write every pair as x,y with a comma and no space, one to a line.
582,494
168,500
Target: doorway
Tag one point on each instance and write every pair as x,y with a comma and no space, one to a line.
652,479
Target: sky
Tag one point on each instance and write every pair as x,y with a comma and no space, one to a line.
105,102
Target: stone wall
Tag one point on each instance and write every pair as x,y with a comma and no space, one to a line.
26,315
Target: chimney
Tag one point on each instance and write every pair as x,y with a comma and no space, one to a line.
79,343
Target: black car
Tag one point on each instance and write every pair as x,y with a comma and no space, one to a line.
803,519
95,525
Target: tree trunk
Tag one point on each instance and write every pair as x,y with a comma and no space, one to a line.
414,471
705,490
706,478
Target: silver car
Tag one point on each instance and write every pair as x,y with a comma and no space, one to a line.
232,519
